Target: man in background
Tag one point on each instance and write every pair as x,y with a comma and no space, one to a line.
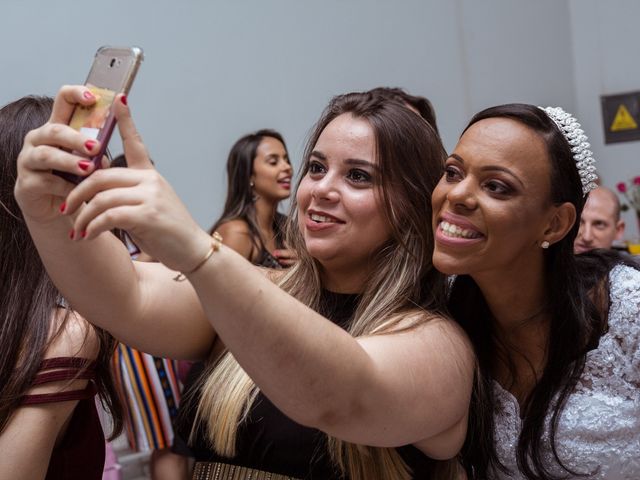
600,223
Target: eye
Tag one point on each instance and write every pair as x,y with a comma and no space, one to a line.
452,174
359,176
316,168
497,187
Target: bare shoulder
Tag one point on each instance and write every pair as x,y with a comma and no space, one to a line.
72,336
237,236
234,227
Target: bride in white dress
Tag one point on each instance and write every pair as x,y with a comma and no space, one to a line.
557,335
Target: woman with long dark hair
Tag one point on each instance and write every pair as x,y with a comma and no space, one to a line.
557,335
344,365
258,179
52,361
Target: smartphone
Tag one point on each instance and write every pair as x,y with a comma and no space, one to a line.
112,72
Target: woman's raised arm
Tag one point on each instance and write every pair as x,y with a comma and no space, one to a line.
138,303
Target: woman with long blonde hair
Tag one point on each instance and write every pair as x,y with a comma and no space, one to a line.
343,366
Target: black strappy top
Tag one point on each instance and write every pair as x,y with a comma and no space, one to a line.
270,441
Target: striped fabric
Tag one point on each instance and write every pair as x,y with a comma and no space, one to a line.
151,390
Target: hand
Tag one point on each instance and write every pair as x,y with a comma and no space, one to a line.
286,257
38,192
139,200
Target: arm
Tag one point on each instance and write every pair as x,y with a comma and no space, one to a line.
383,390
386,390
33,430
127,298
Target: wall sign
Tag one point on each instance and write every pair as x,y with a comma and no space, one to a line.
621,117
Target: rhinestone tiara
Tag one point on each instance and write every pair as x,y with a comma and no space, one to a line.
577,139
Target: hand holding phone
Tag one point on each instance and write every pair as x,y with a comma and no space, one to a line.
112,72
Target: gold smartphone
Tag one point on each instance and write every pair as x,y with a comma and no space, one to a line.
112,72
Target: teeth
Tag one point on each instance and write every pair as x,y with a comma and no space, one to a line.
321,218
451,230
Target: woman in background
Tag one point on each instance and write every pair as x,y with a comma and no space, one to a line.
52,361
258,179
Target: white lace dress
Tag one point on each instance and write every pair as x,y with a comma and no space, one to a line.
599,429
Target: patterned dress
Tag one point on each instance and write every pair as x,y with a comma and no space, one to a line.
598,432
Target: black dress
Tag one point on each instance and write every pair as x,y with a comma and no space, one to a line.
268,440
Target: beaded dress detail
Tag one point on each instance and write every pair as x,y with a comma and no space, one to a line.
598,431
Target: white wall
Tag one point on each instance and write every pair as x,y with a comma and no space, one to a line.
216,69
605,53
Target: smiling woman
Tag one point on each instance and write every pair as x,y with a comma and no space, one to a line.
557,335
342,366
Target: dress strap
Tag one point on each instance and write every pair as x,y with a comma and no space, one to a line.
71,368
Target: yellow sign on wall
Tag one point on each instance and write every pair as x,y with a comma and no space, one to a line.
621,117
623,120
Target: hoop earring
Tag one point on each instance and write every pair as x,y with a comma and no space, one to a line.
545,244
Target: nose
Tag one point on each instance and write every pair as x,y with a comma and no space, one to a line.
586,233
325,189
286,167
462,194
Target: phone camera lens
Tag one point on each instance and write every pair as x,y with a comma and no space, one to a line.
112,63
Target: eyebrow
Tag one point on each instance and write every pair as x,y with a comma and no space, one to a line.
349,161
490,168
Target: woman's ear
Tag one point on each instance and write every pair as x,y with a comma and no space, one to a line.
562,220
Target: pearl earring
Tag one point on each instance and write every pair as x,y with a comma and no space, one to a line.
545,244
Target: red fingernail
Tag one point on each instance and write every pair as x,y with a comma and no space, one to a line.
63,207
123,99
88,95
83,233
72,234
84,165
89,144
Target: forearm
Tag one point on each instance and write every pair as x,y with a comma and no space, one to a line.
294,355
126,298
90,275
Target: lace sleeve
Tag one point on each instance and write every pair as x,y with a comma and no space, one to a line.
624,317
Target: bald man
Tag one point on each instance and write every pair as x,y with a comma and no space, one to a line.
600,223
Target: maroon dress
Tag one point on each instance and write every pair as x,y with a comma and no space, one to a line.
80,453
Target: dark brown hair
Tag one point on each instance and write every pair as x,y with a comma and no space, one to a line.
421,104
28,295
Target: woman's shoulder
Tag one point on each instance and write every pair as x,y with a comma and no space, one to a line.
624,287
72,336
235,224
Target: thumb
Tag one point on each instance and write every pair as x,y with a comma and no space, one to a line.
134,149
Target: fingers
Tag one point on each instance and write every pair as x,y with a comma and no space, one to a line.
108,210
44,159
99,182
134,148
67,99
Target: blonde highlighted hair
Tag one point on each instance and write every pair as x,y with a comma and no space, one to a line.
403,281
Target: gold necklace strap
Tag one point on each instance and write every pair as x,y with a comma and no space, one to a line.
224,471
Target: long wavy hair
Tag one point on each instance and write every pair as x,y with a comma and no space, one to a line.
411,160
577,300
240,203
29,298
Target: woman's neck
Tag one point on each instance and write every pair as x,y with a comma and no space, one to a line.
520,315
518,305
265,215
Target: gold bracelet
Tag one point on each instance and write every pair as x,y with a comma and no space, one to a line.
216,243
